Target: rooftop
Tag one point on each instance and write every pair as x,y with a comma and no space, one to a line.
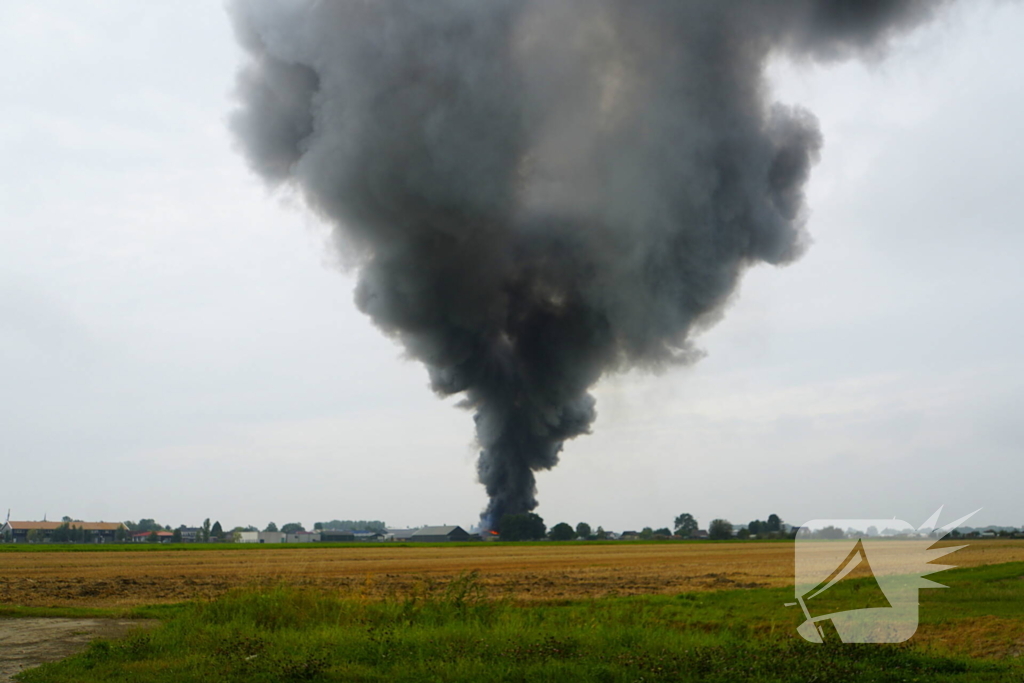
50,526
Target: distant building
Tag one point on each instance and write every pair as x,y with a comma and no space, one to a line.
400,534
261,537
143,536
190,534
438,534
368,536
102,532
302,537
336,536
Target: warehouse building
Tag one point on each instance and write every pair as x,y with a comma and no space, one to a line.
439,534
22,532
261,537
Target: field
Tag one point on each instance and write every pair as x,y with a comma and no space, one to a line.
115,577
710,612
973,633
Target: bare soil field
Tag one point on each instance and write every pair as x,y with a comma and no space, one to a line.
530,572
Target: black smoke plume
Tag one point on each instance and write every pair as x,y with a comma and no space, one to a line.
538,192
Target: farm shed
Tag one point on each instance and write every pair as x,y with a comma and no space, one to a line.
438,534
261,537
102,532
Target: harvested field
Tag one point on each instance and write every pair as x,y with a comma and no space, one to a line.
527,572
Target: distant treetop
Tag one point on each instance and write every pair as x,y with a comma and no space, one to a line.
353,525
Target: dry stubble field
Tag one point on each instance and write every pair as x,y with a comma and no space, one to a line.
527,572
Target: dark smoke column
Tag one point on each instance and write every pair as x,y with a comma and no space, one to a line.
537,192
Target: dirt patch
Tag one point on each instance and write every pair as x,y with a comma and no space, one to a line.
25,643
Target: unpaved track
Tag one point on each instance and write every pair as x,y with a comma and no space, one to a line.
25,643
546,571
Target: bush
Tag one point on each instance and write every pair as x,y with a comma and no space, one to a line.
562,532
720,530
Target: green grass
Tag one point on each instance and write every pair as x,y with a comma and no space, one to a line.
290,634
164,612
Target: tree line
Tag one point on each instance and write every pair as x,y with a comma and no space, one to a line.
530,526
71,530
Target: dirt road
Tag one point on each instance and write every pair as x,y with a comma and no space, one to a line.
25,643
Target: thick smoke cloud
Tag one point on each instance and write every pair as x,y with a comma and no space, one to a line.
539,192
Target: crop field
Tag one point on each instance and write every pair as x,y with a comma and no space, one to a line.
107,577
971,633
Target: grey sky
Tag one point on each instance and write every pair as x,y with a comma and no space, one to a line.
176,343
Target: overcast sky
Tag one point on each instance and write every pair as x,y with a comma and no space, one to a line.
177,343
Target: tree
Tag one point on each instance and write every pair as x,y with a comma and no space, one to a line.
354,525
646,533
743,533
34,536
601,534
153,537
292,527
318,526
830,532
757,527
121,535
217,531
583,531
527,526
774,523
147,525
271,527
664,531
61,534
66,519
176,536
561,532
686,525
206,530
719,529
